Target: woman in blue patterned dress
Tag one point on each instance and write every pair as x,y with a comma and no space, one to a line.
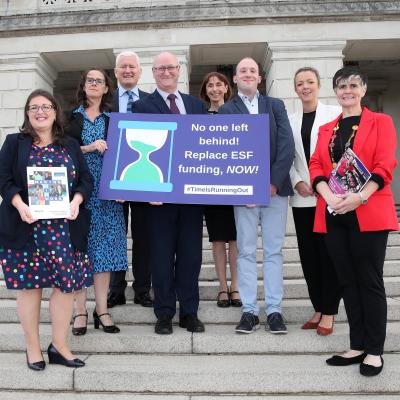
45,253
107,237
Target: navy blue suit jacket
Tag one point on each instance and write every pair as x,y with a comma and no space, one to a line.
281,138
155,104
14,156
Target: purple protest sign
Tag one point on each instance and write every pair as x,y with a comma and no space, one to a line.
192,159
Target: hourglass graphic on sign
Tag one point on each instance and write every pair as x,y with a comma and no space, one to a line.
144,137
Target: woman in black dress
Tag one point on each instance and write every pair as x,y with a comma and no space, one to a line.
220,219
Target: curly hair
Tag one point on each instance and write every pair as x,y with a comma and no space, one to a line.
58,125
106,100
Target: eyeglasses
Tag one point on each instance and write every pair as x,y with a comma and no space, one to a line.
163,68
44,107
98,82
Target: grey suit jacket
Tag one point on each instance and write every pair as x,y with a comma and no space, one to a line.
281,138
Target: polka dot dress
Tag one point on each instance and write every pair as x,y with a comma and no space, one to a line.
48,260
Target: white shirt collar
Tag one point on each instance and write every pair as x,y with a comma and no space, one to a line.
164,95
122,91
247,98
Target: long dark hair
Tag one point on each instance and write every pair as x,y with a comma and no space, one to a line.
58,125
222,78
106,100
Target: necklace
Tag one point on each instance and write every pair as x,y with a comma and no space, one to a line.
347,144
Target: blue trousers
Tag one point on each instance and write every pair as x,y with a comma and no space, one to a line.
273,226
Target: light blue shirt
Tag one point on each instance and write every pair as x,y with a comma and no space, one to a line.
178,100
252,105
124,97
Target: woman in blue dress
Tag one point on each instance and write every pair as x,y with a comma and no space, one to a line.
107,247
44,253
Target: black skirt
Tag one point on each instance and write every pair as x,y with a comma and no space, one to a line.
220,221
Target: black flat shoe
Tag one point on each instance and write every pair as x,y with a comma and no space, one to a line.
223,303
143,299
370,370
35,366
83,329
340,361
163,325
57,358
106,328
115,299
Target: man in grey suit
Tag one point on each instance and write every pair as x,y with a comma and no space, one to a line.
273,216
128,71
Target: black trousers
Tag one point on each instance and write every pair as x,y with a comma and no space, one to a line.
318,270
175,236
358,258
140,251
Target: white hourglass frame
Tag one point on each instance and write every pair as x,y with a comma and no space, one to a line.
154,133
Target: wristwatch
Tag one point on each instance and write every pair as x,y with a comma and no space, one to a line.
363,199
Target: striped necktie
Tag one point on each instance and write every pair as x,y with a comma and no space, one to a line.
130,101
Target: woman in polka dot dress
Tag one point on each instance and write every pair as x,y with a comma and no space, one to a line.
45,253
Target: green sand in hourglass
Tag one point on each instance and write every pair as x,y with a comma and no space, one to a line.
142,170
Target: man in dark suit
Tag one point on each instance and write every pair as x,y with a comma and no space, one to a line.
128,71
175,230
273,216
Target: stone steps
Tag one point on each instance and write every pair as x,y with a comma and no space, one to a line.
295,311
201,374
293,289
215,365
26,395
291,270
290,252
218,339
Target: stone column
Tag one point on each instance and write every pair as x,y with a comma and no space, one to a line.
283,59
19,75
147,54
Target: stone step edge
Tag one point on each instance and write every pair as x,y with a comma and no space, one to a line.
204,374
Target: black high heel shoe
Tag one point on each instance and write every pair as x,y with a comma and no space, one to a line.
106,328
35,366
81,330
57,358
234,302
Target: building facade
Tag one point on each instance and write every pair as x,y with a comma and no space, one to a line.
46,43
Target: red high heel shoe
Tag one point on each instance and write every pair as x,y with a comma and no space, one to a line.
310,325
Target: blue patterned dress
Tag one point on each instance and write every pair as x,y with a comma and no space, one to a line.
48,260
107,247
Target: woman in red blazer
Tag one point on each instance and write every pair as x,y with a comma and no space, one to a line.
357,224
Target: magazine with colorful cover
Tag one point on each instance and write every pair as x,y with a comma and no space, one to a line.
350,175
48,192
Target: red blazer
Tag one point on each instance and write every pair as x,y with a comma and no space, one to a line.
375,145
